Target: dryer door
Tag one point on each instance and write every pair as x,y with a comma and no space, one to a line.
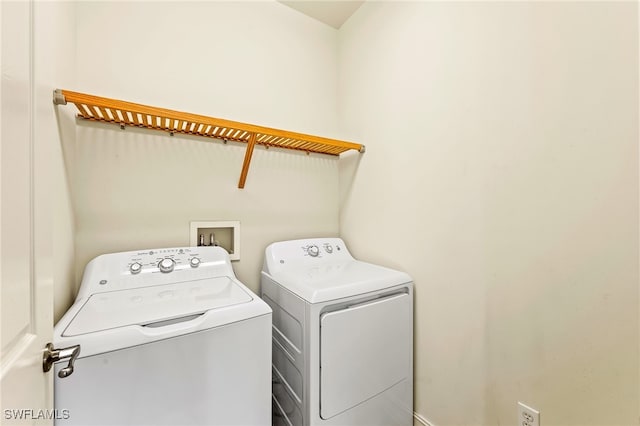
365,349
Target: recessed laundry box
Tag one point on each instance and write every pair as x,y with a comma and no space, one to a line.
342,336
166,337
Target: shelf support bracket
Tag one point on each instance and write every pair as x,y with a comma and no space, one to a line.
58,97
247,160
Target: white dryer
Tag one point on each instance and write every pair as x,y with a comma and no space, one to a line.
166,337
342,336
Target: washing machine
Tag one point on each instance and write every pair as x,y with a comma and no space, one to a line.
342,336
164,337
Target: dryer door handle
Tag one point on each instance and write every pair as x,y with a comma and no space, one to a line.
378,300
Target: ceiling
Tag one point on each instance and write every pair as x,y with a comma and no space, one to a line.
333,13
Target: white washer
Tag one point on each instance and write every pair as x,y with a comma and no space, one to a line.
167,336
342,336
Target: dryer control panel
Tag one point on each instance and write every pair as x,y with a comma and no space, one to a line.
312,251
322,248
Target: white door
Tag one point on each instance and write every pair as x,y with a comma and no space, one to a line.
25,261
365,349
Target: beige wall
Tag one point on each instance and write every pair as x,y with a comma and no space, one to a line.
502,173
54,66
502,148
258,62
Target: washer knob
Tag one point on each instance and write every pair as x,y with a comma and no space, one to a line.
328,248
194,262
313,251
135,268
166,265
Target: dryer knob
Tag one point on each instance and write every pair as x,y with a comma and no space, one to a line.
166,265
194,262
313,251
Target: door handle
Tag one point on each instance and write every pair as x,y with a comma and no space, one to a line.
52,355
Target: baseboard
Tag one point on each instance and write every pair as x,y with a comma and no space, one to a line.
419,420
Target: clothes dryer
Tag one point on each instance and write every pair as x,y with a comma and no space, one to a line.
342,336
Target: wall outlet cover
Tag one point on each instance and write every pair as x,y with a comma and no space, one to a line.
527,416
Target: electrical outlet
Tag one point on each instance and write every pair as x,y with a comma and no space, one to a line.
528,416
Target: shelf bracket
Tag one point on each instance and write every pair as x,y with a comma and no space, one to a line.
58,97
247,160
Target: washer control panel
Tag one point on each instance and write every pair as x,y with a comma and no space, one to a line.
144,268
164,260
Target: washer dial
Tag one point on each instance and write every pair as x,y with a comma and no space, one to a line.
135,268
194,262
166,265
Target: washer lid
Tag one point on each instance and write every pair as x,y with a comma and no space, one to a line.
335,280
149,305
